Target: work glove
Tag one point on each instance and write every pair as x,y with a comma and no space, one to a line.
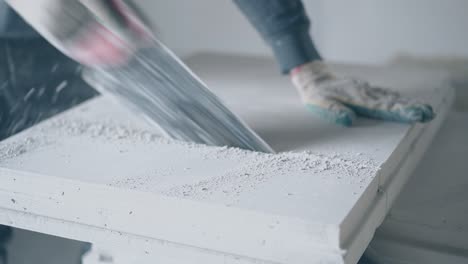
93,32
339,100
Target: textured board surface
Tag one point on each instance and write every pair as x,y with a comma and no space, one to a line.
98,173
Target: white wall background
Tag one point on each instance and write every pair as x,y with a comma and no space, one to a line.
365,31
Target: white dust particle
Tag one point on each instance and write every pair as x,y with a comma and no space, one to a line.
41,92
61,86
29,94
54,68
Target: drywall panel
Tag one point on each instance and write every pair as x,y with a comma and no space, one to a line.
98,173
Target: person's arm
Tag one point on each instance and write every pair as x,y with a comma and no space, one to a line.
284,26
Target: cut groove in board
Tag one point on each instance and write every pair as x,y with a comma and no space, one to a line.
98,167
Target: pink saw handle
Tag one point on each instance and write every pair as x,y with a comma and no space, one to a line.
93,32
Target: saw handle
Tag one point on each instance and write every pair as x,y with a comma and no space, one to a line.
93,32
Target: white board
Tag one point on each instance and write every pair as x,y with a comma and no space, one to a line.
97,173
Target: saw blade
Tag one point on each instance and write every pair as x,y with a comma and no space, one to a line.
158,85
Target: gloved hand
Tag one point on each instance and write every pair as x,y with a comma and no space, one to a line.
93,32
340,100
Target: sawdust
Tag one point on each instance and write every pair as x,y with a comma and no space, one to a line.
18,147
254,169
59,127
259,168
106,129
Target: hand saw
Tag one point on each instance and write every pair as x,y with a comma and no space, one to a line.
153,81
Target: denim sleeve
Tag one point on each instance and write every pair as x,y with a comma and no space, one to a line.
12,25
284,25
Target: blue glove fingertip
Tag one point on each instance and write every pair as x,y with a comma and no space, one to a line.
420,113
429,113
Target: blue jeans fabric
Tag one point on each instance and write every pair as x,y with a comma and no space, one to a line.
284,25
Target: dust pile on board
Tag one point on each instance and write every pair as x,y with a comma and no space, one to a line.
256,169
251,171
17,148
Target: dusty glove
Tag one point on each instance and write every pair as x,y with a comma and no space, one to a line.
339,100
93,32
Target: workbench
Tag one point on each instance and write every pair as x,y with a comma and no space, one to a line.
99,173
